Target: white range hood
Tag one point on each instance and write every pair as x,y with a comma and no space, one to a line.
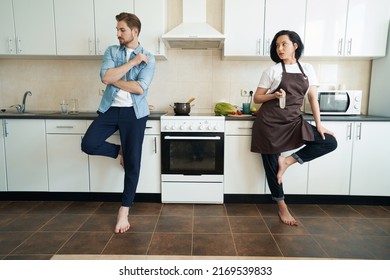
194,32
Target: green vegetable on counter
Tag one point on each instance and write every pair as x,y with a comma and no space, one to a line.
224,109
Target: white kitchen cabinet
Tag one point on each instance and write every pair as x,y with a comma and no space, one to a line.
243,170
278,17
67,165
25,149
154,24
371,153
150,176
107,175
250,27
244,28
105,22
3,170
87,27
367,26
346,28
325,27
330,174
27,27
295,177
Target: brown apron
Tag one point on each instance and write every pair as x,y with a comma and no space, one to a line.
277,130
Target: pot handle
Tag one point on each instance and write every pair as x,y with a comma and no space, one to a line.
174,107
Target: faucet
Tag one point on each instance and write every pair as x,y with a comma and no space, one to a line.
22,107
24,100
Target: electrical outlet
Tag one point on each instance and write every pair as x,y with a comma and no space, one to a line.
101,91
245,93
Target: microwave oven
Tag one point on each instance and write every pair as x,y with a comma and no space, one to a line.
337,102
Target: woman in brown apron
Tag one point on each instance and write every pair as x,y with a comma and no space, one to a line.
280,128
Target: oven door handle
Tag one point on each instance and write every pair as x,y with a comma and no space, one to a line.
193,138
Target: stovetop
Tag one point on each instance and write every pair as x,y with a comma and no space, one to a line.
192,123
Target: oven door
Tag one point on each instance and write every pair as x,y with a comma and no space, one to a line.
196,153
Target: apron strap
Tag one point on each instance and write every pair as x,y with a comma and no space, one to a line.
300,67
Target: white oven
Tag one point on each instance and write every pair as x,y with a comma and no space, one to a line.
192,157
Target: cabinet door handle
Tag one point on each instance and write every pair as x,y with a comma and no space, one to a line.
18,45
340,46
158,46
10,45
98,50
5,132
155,145
349,131
64,126
349,49
359,132
258,47
90,46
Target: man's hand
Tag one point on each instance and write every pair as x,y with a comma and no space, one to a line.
139,58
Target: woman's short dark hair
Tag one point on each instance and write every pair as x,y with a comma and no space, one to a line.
131,20
294,37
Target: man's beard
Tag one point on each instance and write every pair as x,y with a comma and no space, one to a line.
123,41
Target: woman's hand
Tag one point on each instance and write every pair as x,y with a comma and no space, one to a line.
322,130
279,94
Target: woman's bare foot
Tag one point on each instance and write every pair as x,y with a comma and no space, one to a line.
284,163
285,215
122,222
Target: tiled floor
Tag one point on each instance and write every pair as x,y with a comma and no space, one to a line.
40,230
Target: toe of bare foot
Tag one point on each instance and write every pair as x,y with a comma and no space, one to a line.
288,220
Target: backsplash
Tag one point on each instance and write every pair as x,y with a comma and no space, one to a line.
202,74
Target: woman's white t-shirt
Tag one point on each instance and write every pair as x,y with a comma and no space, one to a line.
272,77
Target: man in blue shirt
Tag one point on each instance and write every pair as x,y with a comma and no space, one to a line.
127,71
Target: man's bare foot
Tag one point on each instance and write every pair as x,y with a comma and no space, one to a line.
285,215
120,153
283,164
122,222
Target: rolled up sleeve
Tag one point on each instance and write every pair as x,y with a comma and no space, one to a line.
107,63
145,76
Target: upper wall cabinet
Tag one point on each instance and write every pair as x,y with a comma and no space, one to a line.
244,28
283,15
27,27
250,28
355,28
154,24
88,29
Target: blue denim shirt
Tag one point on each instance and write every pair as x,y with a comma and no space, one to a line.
142,73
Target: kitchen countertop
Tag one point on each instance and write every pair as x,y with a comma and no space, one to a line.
340,118
155,115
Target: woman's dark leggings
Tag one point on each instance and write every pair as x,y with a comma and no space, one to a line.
311,150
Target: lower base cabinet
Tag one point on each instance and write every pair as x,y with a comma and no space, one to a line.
371,153
331,173
26,158
243,170
107,175
67,164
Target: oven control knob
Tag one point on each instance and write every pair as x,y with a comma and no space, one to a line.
167,127
191,127
174,127
201,127
183,126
